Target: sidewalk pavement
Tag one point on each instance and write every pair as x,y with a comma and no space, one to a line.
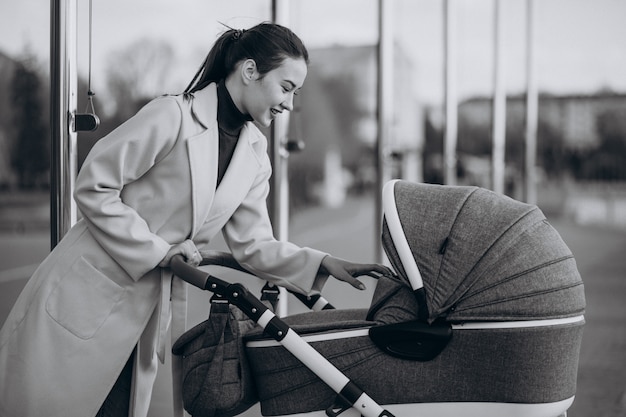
348,232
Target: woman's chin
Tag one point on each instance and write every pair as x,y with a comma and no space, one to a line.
265,122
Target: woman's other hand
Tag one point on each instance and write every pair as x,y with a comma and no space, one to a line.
187,249
347,271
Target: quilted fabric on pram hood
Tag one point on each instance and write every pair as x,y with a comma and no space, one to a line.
481,255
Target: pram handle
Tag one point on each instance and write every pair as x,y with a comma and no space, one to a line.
236,293
254,308
314,302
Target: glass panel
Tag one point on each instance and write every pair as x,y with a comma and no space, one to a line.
335,117
333,181
24,144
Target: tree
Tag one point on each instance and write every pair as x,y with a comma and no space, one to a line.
138,73
607,162
30,156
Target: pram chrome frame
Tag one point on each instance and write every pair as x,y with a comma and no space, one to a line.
349,395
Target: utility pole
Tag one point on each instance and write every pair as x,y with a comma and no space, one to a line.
499,104
385,110
532,108
451,100
279,190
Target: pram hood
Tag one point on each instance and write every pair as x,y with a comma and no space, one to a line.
479,255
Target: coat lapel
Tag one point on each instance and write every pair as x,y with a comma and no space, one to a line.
203,149
203,153
239,175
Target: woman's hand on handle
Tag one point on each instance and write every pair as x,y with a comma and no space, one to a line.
347,271
187,249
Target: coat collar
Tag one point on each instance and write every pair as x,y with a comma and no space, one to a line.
204,105
204,108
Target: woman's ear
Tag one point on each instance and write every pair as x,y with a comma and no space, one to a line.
249,71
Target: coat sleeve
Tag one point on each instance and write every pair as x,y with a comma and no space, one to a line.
250,238
120,158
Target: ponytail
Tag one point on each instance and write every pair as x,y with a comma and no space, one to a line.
214,68
268,44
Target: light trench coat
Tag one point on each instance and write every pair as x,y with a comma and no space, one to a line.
100,294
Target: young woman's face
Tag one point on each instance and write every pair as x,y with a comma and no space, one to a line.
266,97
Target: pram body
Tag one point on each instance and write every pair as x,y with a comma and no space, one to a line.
492,271
485,319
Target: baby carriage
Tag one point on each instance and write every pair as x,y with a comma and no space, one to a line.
485,318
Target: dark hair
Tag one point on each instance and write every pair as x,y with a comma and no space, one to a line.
268,44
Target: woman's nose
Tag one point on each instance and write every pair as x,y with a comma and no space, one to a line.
288,104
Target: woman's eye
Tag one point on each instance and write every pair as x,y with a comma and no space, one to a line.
290,89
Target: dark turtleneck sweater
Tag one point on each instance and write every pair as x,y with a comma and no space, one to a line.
230,121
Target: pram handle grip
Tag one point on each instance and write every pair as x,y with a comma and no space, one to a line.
220,258
196,277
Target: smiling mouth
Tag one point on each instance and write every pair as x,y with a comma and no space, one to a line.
275,112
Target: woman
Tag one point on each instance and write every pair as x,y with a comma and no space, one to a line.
84,336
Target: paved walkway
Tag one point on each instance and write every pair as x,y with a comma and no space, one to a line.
348,233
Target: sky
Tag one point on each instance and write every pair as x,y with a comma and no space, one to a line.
580,45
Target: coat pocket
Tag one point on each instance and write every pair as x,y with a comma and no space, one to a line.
83,299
